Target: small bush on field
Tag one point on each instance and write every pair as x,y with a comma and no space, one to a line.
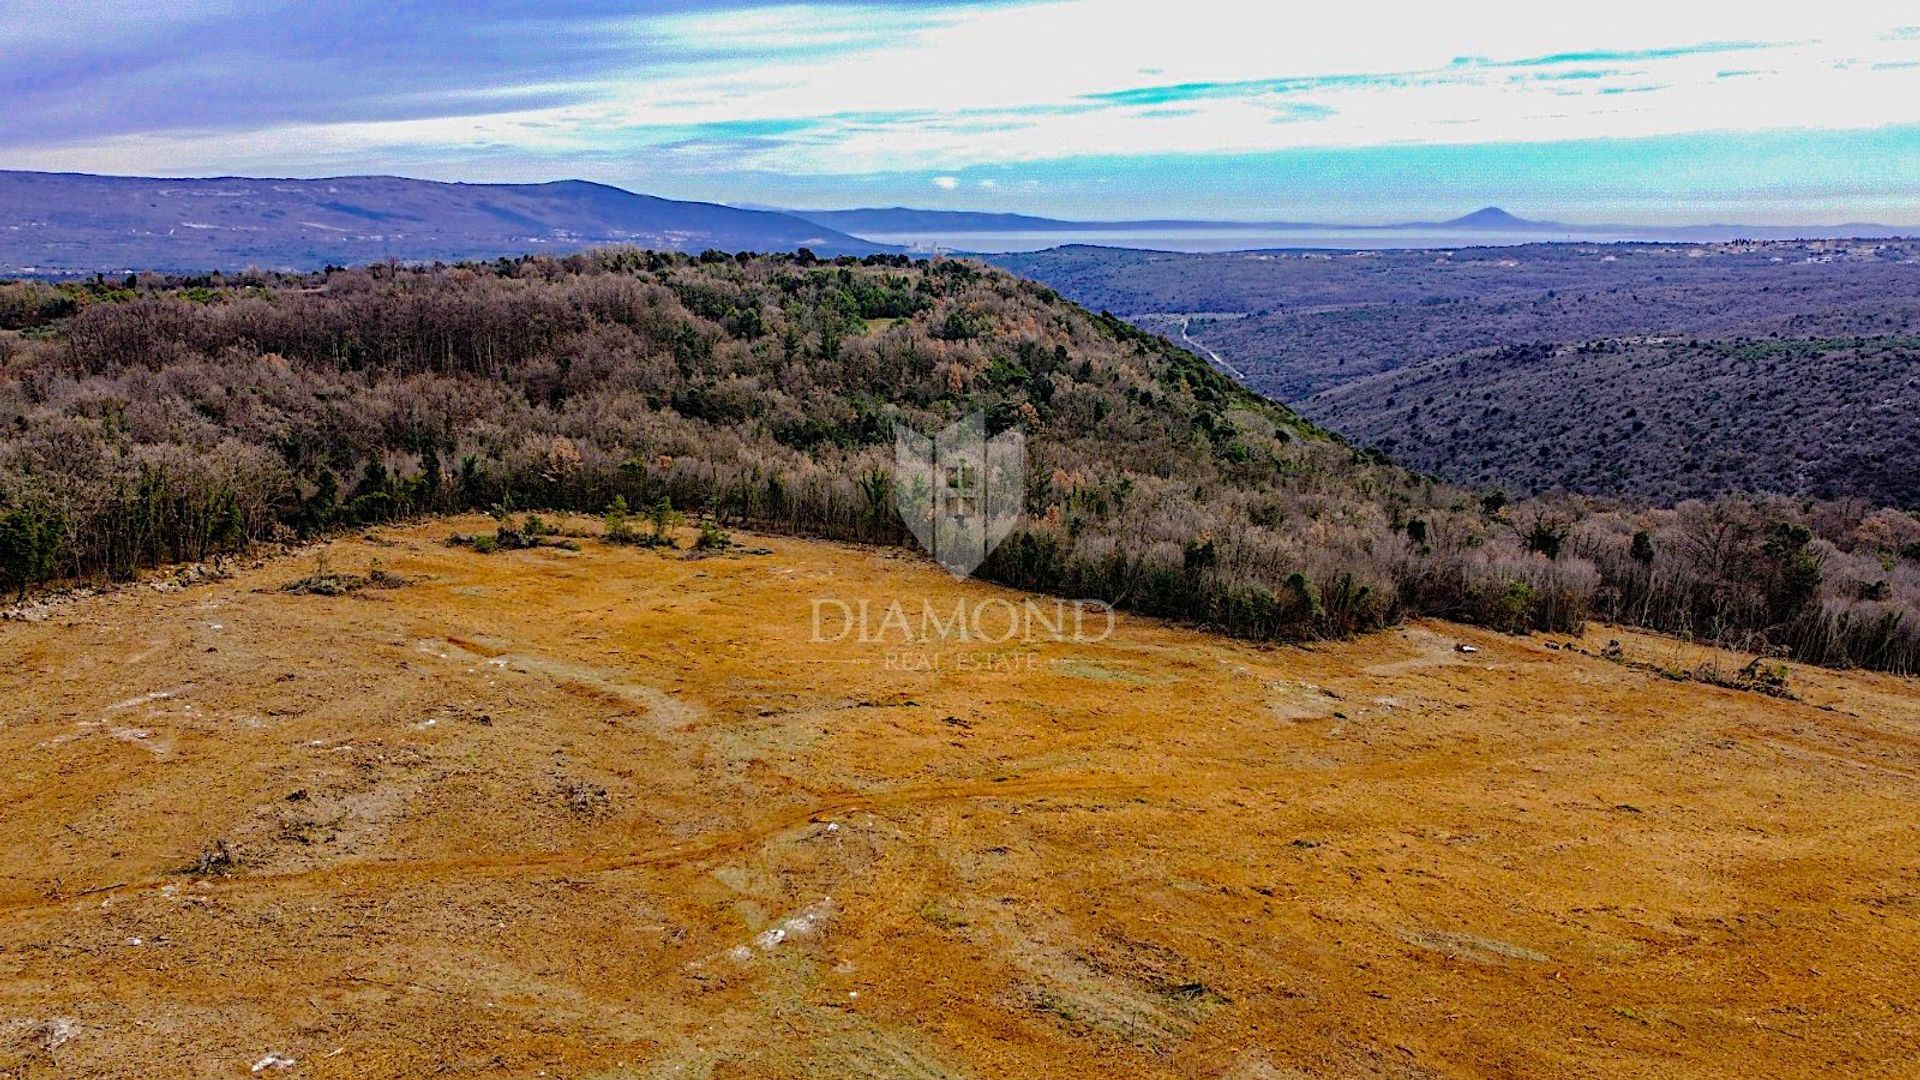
532,532
1767,678
712,538
619,522
1760,676
661,521
325,581
216,861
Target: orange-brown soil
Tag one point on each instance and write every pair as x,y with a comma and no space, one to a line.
614,813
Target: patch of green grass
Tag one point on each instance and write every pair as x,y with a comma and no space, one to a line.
942,916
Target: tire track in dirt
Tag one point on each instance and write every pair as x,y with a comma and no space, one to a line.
1210,874
1801,746
573,862
705,849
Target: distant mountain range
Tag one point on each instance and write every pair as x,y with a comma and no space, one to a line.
897,222
59,224
70,223
901,219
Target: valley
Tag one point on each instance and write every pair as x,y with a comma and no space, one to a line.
1664,419
1359,340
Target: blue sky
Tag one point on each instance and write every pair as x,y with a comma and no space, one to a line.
1360,111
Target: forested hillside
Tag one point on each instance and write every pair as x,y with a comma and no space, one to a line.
156,420
1664,419
1654,372
56,225
1305,322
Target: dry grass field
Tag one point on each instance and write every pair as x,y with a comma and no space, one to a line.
615,813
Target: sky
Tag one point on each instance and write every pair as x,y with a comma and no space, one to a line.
1358,111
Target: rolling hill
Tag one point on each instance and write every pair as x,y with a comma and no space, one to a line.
68,224
177,419
1614,369
586,786
1661,419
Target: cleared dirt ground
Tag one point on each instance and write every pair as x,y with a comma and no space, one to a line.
614,814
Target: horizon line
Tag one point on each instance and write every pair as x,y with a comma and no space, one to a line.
1516,221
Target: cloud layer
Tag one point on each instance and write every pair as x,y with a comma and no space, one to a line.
1038,106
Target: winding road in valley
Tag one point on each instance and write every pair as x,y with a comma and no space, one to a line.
1217,359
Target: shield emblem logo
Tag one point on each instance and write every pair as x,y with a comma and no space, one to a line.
960,492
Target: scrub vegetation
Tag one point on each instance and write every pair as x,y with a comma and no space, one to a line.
155,420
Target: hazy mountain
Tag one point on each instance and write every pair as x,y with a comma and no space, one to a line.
898,221
1492,217
70,223
901,219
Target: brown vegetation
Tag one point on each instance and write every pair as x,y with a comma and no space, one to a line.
1662,420
166,420
1317,320
1657,372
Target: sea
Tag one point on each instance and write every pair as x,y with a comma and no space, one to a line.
1249,239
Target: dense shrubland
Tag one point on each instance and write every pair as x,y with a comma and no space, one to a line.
1319,320
1658,372
159,420
1661,420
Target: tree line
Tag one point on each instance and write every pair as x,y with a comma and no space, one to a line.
156,420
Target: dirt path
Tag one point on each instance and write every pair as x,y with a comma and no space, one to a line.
619,814
1218,360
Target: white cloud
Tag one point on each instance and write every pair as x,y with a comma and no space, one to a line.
790,27
1023,83
918,88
